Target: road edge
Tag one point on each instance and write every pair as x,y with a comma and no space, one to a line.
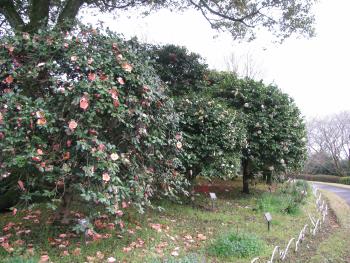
332,184
335,248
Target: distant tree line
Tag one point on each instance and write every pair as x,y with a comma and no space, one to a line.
329,145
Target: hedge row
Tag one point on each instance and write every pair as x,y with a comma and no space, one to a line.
325,178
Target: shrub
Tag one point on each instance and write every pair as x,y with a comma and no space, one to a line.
239,245
213,137
82,116
319,177
345,180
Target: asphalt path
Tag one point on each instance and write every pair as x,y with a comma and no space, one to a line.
340,191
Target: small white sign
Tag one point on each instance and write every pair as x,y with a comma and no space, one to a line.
213,196
268,217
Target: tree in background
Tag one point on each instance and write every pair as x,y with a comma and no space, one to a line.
244,66
183,71
241,18
275,131
329,136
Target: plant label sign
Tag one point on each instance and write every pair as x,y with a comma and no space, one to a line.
213,199
213,196
268,217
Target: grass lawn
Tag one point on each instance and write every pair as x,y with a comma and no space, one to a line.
179,233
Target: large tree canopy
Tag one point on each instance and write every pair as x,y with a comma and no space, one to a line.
240,17
275,130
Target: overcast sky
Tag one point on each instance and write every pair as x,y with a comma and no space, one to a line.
314,72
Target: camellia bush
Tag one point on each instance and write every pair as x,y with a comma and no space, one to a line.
213,136
211,133
275,130
81,117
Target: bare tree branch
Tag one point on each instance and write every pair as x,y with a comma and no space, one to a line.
8,9
38,14
68,14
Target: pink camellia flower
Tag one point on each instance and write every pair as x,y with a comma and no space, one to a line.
69,143
114,93
127,67
124,204
121,81
36,159
103,77
91,76
106,177
39,151
10,48
9,79
101,147
84,103
116,103
119,213
72,125
41,121
66,45
178,136
93,132
145,88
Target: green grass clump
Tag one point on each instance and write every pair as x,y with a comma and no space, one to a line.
287,199
191,258
22,260
240,245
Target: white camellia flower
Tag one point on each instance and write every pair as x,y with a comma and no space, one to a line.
246,105
114,156
111,260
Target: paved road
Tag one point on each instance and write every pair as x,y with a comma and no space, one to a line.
342,192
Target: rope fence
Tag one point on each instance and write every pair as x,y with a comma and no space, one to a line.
279,254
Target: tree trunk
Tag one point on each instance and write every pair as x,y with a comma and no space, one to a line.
62,215
246,176
268,177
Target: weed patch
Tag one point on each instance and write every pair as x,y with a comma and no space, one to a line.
240,245
287,199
